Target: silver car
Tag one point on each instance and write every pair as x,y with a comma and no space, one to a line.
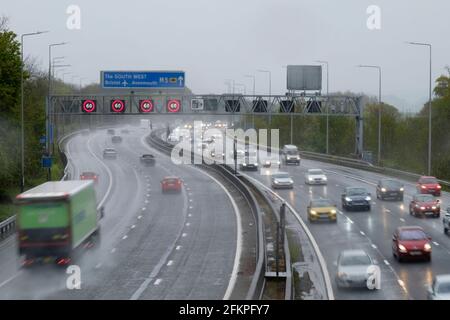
440,288
446,221
109,153
353,268
282,180
315,176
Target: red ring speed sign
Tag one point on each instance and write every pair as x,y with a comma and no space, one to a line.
117,106
146,105
88,106
173,105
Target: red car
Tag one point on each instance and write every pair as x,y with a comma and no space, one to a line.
411,242
171,184
425,205
89,176
429,185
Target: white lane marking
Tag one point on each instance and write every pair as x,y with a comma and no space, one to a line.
189,215
190,200
387,263
238,251
387,210
170,263
187,224
402,220
133,226
124,237
98,266
148,195
143,209
157,282
350,220
146,201
191,207
113,250
110,175
401,283
10,279
435,243
362,233
373,246
139,217
190,193
184,235
340,212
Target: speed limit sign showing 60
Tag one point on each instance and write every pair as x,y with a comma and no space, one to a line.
145,106
117,106
173,105
89,106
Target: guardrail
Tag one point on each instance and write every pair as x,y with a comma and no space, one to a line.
8,226
258,280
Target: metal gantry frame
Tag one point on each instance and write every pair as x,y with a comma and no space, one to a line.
291,104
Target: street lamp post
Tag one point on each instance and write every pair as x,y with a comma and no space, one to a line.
22,134
429,102
270,92
254,94
47,111
328,104
379,108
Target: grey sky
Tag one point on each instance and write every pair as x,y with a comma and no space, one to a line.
217,40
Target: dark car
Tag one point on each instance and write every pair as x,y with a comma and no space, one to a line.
428,185
356,198
148,160
446,221
116,139
250,161
390,189
411,242
111,131
425,205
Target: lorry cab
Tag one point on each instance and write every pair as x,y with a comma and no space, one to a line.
56,218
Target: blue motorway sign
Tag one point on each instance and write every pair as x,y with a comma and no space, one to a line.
143,79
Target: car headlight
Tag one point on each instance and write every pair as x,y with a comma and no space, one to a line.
276,182
244,164
402,189
422,208
310,179
402,248
427,247
333,211
325,178
348,199
416,205
368,198
256,164
434,207
424,187
313,212
342,274
439,187
383,189
267,163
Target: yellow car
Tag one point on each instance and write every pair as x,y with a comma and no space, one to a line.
322,209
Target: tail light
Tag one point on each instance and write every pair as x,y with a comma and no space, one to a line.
63,261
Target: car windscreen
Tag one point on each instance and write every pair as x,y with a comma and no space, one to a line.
292,152
411,235
444,288
392,184
355,260
321,203
357,192
171,180
425,198
428,181
281,176
315,172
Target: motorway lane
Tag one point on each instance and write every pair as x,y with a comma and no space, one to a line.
371,231
143,228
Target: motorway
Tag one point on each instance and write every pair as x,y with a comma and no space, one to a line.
153,246
371,231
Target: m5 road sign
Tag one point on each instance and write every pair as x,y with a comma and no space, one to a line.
143,79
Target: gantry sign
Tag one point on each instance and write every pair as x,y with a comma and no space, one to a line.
302,104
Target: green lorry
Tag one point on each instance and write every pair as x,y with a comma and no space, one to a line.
56,218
